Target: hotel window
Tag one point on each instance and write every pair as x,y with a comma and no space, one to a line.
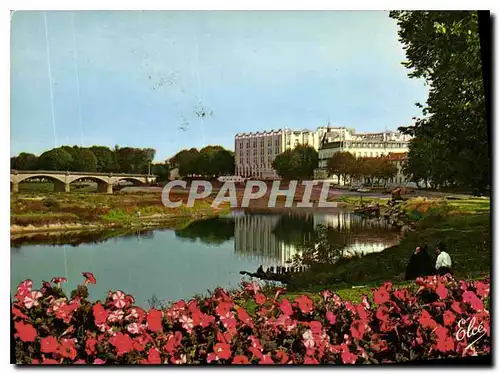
254,152
277,142
269,150
241,145
254,143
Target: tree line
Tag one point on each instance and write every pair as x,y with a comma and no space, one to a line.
88,159
211,161
299,163
451,142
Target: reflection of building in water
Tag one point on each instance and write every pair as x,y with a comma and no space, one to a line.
254,238
360,235
272,240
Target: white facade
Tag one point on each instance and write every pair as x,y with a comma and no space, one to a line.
255,152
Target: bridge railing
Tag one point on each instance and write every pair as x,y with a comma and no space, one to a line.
13,171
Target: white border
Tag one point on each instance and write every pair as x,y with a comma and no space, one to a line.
177,5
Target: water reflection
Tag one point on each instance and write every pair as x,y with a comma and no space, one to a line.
274,240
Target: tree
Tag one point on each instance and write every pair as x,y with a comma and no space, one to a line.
186,161
106,159
443,48
387,170
342,164
298,163
161,170
55,159
84,160
25,161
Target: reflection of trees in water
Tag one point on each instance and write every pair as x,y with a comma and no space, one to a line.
295,228
214,231
75,238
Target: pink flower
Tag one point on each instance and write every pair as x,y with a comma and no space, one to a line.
358,329
305,304
89,277
118,299
310,361
482,289
134,328
30,300
260,298
154,320
381,295
456,307
116,315
154,356
331,317
348,357
382,313
98,361
27,333
442,291
470,298
49,344
286,307
187,323
308,339
49,361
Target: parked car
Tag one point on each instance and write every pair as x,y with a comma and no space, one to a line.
355,188
364,189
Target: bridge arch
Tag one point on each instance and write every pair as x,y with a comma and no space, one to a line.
103,184
138,181
59,182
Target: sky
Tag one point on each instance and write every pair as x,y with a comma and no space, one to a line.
171,80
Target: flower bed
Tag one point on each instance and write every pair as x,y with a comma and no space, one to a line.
444,318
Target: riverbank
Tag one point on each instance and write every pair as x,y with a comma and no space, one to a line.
54,212
462,225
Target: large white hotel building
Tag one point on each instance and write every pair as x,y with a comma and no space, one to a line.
255,152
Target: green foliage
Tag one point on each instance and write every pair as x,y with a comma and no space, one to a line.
25,161
298,163
55,159
211,161
451,146
84,160
106,159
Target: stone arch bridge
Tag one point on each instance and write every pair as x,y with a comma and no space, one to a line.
63,179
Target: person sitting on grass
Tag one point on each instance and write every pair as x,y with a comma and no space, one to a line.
443,260
420,264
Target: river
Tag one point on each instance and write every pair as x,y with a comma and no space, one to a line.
171,265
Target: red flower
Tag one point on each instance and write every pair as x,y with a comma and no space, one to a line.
348,357
282,356
18,313
331,317
244,317
446,344
122,342
100,314
49,344
426,320
266,360
67,348
89,277
80,362
154,320
90,346
222,350
381,295
456,307
154,356
286,307
59,280
27,333
305,304
442,291
358,329
240,360
310,361
260,298
98,361
470,298
362,312
448,318
49,361
482,289
223,309
382,314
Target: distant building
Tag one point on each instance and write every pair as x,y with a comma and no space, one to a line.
256,151
364,145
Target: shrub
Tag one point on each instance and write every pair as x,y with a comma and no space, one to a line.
51,202
398,325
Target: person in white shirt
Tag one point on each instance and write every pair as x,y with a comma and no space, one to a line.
443,260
